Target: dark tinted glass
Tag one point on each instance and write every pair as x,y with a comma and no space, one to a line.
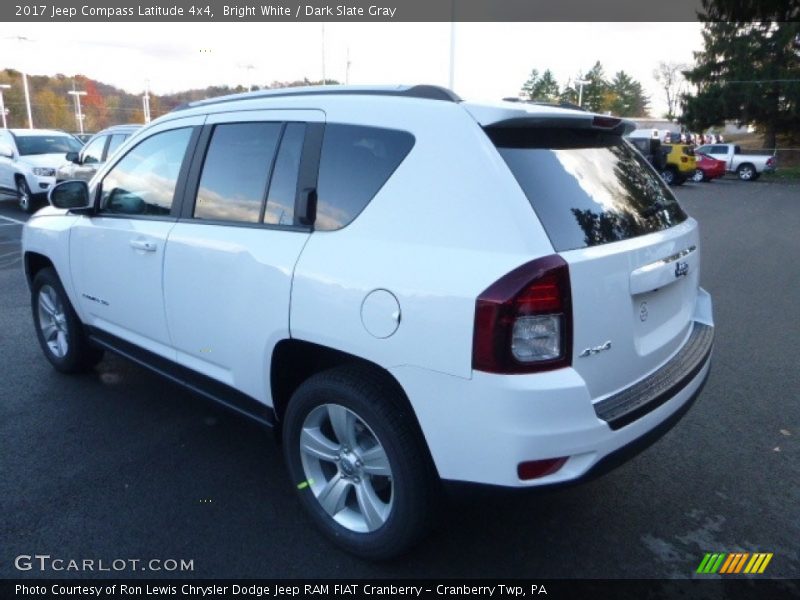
587,188
28,145
355,163
93,151
143,182
236,171
283,187
116,142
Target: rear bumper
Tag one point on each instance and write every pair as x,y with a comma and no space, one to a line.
478,430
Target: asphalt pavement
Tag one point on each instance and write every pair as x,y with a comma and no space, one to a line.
118,464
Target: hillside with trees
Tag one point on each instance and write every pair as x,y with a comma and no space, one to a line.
102,106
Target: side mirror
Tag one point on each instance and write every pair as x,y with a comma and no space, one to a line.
70,195
73,157
6,151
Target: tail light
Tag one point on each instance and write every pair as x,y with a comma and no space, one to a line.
523,321
771,161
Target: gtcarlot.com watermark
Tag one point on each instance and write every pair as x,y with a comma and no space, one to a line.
46,563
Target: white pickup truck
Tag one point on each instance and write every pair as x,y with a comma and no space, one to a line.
748,167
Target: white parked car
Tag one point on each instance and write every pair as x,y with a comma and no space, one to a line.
409,287
748,167
29,159
99,147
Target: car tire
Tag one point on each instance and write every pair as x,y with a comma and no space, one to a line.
669,175
368,482
756,176
58,328
698,176
24,196
746,172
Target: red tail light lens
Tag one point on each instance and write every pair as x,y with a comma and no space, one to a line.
533,469
523,321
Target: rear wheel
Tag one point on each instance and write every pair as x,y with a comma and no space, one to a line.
24,195
358,462
746,172
698,176
58,328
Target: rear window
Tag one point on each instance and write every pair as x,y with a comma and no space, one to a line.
355,163
587,188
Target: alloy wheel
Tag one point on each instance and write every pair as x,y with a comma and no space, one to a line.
346,468
53,321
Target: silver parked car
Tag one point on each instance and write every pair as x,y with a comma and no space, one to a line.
84,164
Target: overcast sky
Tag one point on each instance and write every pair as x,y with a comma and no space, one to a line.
492,60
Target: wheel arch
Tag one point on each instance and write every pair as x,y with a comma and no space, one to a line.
35,262
294,361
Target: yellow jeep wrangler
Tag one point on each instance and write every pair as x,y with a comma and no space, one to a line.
680,163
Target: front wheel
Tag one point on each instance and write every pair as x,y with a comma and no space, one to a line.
24,196
669,176
746,172
58,328
358,462
698,176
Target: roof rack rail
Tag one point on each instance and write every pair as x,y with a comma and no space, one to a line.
425,92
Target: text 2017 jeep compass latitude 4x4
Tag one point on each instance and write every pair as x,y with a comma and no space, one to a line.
410,287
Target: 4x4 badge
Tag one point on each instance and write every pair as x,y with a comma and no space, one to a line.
681,269
596,349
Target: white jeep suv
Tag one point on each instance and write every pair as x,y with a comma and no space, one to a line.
29,159
410,288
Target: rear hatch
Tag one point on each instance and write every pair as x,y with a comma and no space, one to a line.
632,251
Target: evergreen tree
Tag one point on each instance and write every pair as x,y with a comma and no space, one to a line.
749,69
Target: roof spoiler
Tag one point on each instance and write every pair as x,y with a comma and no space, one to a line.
613,125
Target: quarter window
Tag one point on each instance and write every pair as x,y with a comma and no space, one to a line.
355,163
144,181
236,172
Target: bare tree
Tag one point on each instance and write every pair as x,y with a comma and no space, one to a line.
670,77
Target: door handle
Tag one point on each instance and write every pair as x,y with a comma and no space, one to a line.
143,245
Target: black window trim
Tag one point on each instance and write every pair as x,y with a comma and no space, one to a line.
307,174
180,185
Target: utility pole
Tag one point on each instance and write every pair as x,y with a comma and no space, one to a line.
3,86
146,102
452,78
78,114
21,38
581,83
323,55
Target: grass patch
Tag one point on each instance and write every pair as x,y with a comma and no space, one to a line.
790,173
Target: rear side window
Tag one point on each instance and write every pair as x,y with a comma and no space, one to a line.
587,188
116,142
236,172
355,163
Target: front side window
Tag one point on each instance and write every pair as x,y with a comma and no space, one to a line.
116,142
236,172
144,181
355,163
93,152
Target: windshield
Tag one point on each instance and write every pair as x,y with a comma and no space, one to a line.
587,188
46,144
